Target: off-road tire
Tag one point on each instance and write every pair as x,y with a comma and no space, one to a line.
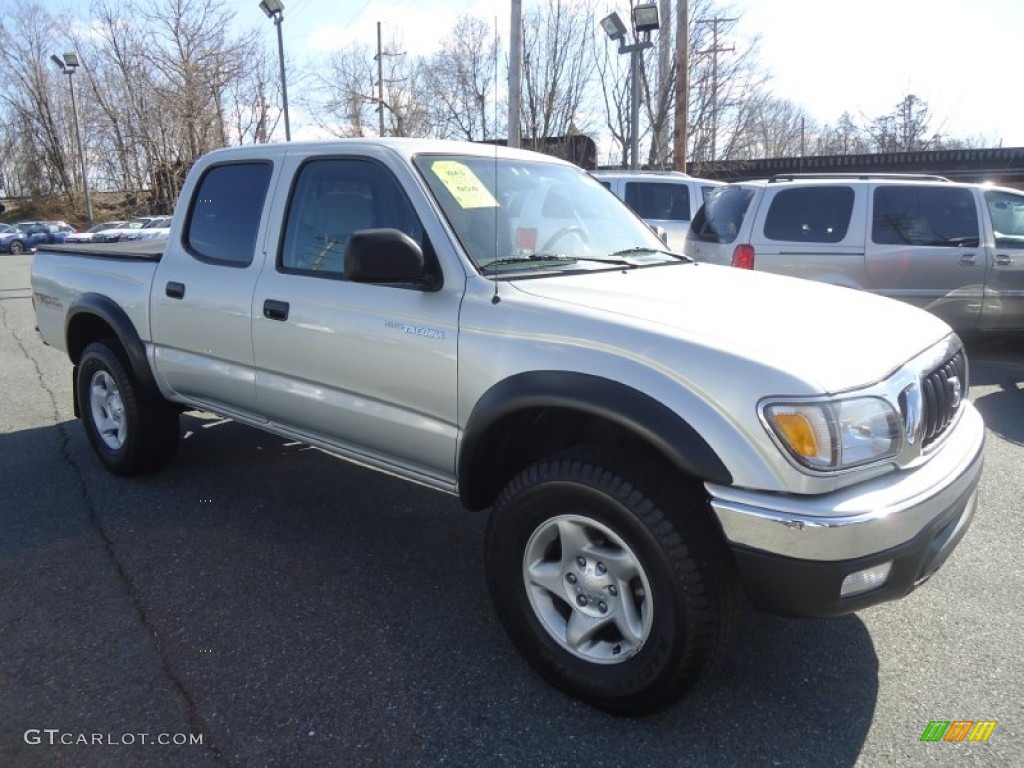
694,592
133,430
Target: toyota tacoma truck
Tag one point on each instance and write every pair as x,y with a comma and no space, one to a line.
656,440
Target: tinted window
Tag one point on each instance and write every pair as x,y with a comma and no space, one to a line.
810,214
653,200
720,218
1007,212
226,209
331,200
934,215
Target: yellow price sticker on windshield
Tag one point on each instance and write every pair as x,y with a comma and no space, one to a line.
466,188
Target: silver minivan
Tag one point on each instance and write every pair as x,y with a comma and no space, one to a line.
664,199
954,249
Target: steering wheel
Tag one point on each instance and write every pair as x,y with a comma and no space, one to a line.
572,229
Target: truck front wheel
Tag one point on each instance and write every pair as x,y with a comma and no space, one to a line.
132,431
612,588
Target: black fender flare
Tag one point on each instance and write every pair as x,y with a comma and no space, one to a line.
107,310
637,412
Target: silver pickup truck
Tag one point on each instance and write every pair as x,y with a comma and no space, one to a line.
654,438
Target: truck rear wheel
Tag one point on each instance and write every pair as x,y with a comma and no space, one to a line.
132,431
610,587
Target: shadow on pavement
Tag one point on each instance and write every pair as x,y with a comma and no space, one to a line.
319,613
999,362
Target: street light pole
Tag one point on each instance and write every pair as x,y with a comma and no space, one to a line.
274,9
645,21
68,65
634,106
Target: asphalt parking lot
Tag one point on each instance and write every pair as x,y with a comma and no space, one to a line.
290,609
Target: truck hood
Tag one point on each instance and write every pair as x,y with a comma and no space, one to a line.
831,337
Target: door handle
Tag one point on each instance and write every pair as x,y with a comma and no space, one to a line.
1003,261
175,290
968,260
275,310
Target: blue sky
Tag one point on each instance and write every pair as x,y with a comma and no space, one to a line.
828,56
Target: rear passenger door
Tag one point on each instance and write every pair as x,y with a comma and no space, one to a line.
1004,289
925,248
201,298
812,231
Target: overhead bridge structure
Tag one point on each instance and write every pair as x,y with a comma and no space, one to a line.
1003,166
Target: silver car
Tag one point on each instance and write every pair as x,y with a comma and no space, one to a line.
664,199
954,249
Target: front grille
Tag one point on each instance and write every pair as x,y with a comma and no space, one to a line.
942,392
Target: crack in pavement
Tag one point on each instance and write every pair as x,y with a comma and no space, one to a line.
193,718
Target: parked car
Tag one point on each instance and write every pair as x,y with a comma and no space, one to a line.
26,235
157,228
119,233
665,199
89,234
954,249
650,435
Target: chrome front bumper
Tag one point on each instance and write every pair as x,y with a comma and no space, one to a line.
862,519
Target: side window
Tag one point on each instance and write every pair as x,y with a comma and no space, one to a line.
1007,212
332,199
932,215
810,214
655,200
224,220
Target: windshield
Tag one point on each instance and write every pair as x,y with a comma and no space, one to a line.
516,215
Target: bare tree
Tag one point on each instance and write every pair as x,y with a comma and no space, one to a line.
772,127
460,82
558,54
32,93
905,129
344,99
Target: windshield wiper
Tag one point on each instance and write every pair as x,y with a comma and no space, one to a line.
642,249
531,257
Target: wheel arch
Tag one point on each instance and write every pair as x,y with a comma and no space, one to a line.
531,415
92,317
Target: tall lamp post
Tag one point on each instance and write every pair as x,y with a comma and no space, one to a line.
645,21
274,9
68,65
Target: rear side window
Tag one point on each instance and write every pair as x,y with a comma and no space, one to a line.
720,218
654,200
225,216
810,214
933,215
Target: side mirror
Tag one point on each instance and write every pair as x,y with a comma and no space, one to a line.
384,256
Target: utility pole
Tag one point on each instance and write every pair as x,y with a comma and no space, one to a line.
714,50
682,84
664,75
515,69
379,58
380,85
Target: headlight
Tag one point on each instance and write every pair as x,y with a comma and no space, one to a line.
838,435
